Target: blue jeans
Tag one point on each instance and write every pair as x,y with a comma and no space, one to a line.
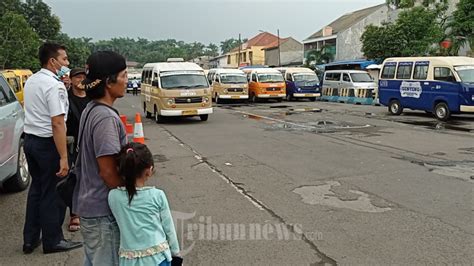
101,241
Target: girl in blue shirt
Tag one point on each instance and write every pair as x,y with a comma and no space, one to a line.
147,232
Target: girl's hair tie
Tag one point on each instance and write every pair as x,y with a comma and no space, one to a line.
130,150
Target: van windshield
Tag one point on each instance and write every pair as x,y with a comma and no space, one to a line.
361,77
466,73
306,79
233,79
186,81
270,78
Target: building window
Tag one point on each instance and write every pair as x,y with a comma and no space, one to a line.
228,59
245,57
251,57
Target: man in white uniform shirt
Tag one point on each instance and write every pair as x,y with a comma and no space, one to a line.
46,107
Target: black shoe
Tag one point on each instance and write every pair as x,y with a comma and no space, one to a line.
63,245
29,248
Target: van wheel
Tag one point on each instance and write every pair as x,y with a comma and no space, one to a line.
289,98
145,112
22,178
313,99
442,112
158,118
395,108
204,117
279,100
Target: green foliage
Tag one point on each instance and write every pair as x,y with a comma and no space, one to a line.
18,42
38,14
411,3
413,34
229,44
318,57
461,26
78,49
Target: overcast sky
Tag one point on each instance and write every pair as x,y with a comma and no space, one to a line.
198,20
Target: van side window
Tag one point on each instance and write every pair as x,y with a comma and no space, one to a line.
14,83
388,71
6,94
420,72
148,76
254,77
336,76
404,70
346,78
444,74
328,76
143,76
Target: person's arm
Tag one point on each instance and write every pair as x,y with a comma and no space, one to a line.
107,144
168,225
108,170
59,136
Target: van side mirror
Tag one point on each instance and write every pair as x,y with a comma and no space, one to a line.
154,83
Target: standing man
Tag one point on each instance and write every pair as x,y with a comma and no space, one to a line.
46,106
135,86
78,101
102,134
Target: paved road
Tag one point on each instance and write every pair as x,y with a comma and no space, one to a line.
304,183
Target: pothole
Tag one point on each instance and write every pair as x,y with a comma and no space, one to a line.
159,158
349,199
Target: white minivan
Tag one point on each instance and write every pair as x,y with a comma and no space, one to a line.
356,79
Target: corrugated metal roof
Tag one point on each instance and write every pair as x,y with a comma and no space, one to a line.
346,21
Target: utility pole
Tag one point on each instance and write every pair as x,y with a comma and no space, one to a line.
240,48
279,54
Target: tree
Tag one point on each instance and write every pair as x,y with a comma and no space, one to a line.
78,49
14,6
413,34
411,3
461,26
38,15
18,43
229,44
211,50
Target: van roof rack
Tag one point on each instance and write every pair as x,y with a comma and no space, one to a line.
169,60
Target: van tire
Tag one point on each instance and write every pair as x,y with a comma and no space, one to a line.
313,99
204,117
441,111
395,107
158,118
22,178
145,112
289,98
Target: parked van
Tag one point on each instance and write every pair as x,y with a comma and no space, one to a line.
356,79
441,85
175,89
229,84
265,83
14,174
14,82
300,83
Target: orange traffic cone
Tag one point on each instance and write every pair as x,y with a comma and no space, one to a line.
138,135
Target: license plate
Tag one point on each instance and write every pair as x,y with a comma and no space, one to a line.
308,95
190,112
235,97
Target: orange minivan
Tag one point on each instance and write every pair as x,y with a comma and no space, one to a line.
266,83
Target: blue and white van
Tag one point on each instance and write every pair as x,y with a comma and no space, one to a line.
300,83
440,85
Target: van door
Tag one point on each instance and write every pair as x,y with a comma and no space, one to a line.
445,88
346,81
420,75
290,84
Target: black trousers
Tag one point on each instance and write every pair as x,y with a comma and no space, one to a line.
135,91
45,211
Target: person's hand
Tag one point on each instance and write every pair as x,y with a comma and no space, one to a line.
63,168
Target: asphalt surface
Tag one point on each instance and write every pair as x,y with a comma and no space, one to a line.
302,183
